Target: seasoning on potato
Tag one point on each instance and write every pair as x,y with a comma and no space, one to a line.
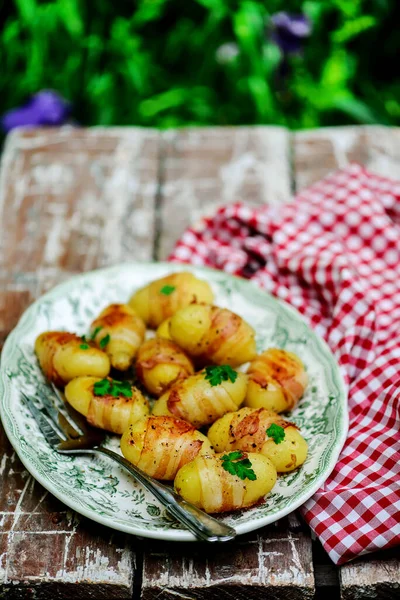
119,332
204,397
277,381
213,335
161,363
63,356
107,403
259,430
218,483
162,298
160,446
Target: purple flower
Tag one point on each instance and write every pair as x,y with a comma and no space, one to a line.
289,30
44,108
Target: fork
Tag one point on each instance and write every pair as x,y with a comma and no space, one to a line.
68,432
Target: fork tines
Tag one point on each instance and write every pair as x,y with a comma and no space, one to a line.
45,422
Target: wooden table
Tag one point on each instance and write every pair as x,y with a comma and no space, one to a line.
76,199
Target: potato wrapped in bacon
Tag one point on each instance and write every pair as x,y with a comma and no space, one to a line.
63,356
162,298
106,403
218,483
259,430
213,335
277,381
161,363
160,446
203,398
119,331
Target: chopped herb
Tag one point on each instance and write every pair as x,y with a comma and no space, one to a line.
104,341
276,432
216,374
84,345
95,332
236,464
112,387
167,290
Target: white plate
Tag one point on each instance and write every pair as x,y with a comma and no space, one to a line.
100,490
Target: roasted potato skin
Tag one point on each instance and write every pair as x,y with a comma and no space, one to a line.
206,484
198,402
245,430
160,446
277,381
61,357
126,330
161,363
213,335
106,412
154,307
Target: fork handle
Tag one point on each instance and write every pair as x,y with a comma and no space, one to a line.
202,525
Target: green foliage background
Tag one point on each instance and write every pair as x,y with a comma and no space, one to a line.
155,62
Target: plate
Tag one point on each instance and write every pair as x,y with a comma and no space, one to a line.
100,490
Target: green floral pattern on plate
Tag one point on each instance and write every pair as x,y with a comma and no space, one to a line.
100,490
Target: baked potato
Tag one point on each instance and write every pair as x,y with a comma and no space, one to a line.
206,483
199,400
160,446
63,356
162,298
213,335
277,381
161,363
119,331
249,430
106,403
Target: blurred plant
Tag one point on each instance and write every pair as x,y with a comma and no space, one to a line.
44,108
168,63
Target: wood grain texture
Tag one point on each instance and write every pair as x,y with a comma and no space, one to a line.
377,577
78,199
274,563
206,167
317,152
70,200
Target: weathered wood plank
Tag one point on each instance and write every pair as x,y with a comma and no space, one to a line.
78,200
272,563
203,168
70,200
317,152
372,577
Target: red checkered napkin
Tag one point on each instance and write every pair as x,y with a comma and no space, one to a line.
334,254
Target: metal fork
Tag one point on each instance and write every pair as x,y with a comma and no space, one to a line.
68,432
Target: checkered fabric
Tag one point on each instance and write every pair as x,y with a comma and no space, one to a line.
334,254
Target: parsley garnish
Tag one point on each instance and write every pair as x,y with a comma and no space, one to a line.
216,374
236,464
95,332
104,341
167,290
112,387
84,345
276,432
